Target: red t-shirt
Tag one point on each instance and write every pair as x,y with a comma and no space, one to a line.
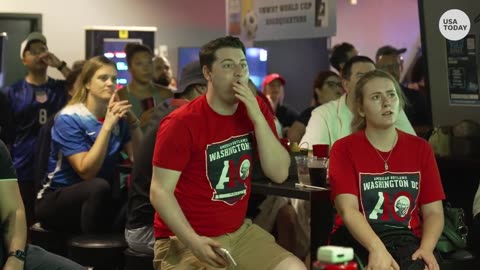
391,197
214,153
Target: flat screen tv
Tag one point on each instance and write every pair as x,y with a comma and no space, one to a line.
113,49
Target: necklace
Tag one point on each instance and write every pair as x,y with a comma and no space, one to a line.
390,153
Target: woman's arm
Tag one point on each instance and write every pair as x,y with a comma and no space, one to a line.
357,225
88,164
432,215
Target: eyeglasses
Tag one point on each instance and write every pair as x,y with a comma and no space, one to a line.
37,51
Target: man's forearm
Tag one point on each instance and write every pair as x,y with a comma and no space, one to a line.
167,207
274,158
16,230
137,137
65,71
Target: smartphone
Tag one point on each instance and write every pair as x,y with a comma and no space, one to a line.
226,255
148,103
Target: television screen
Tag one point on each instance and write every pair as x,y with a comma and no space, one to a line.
256,59
113,49
452,69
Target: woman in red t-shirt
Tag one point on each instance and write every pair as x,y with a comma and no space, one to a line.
382,181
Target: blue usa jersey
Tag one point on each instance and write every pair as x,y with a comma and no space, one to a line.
31,105
75,130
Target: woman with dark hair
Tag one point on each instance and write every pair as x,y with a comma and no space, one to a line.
87,138
385,184
141,92
326,87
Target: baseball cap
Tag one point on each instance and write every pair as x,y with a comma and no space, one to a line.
191,74
385,50
34,36
271,77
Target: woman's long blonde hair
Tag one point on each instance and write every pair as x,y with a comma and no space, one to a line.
359,122
89,68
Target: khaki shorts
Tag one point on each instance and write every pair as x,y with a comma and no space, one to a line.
250,246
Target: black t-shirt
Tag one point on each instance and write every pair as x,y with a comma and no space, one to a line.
305,115
42,150
7,172
418,111
140,211
286,115
6,124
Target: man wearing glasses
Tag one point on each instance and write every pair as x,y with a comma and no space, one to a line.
32,101
332,121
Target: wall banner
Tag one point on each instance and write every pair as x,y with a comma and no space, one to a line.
263,20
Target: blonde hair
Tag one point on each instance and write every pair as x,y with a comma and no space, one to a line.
359,122
91,66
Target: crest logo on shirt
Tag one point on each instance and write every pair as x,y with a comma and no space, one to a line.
229,168
244,169
41,96
402,205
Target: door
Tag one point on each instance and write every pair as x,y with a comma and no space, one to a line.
17,27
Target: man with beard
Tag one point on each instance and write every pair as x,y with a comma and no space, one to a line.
162,71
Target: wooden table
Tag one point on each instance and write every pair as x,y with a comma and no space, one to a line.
321,210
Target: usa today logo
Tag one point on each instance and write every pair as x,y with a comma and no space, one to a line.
454,24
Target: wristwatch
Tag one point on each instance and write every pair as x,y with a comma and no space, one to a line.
19,254
62,65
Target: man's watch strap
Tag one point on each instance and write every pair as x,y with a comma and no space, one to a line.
19,254
62,65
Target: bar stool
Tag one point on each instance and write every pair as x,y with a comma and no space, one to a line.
460,259
55,242
137,260
104,251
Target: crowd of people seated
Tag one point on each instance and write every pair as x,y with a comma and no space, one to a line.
192,143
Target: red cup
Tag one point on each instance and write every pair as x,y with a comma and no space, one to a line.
320,150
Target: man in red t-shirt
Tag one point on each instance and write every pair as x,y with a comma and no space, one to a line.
202,167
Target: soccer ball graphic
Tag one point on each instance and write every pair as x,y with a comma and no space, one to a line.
250,24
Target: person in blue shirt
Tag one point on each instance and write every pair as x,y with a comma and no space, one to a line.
87,139
32,100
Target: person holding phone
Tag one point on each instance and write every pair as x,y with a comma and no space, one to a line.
87,138
202,166
385,184
141,92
